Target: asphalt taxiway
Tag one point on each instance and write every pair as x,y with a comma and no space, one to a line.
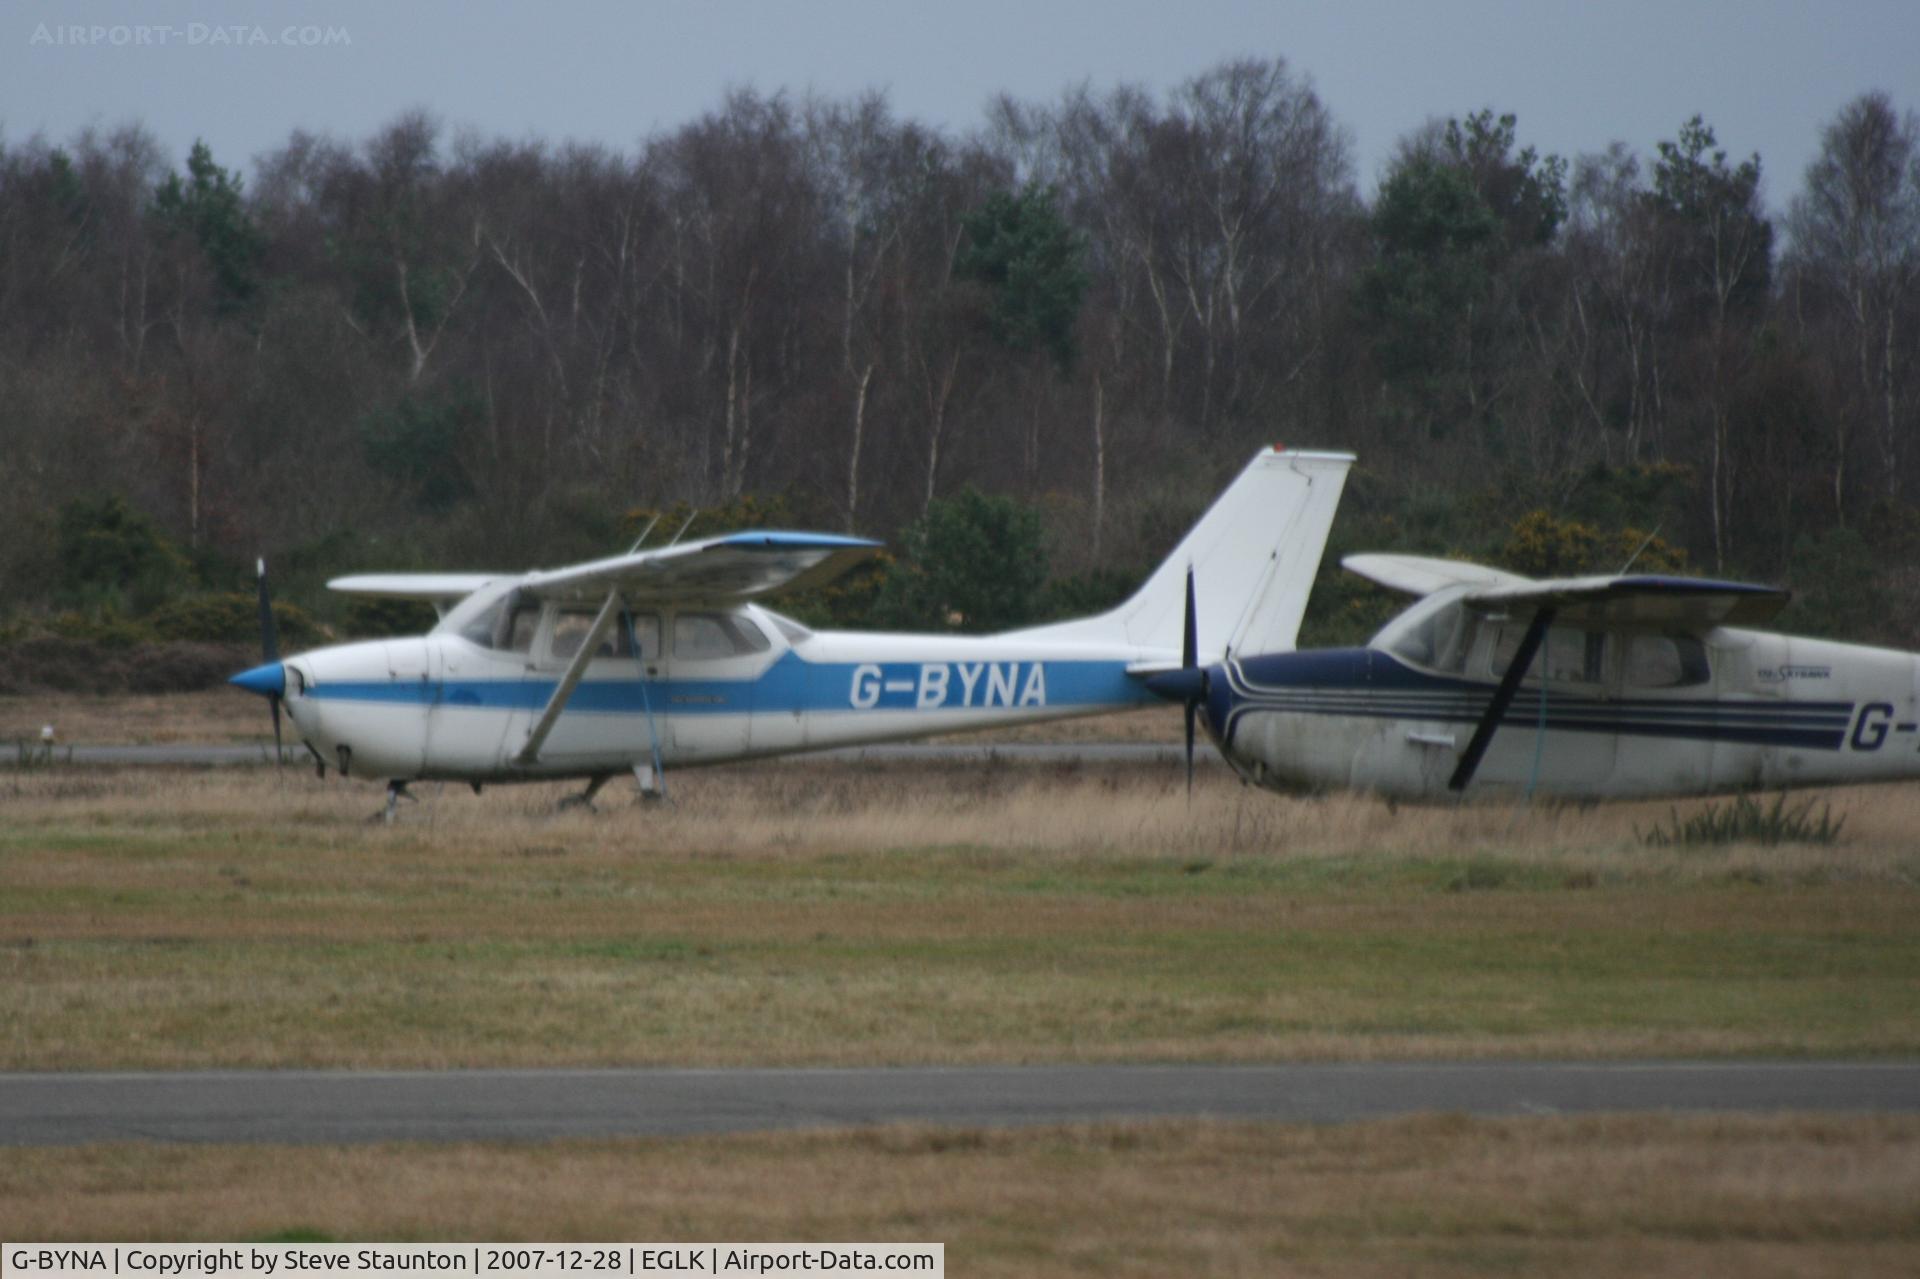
297,1106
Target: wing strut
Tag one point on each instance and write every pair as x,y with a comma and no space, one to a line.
563,692
1502,698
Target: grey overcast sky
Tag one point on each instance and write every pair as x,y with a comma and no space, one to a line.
1766,74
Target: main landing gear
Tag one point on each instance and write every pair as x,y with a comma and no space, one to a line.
651,781
585,798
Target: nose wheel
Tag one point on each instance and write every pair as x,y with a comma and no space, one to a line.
396,791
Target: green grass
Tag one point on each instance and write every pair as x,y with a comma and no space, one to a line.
201,920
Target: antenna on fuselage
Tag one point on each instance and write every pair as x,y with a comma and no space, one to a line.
638,541
691,516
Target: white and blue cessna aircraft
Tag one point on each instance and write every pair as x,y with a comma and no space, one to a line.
665,657
1591,687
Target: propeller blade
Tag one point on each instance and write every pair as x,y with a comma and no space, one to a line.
1189,659
270,650
1190,708
269,641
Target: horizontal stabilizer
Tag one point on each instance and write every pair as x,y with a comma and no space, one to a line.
1423,575
437,588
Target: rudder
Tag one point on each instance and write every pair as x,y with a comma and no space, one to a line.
1254,554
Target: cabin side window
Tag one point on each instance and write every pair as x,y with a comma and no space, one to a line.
1569,655
571,628
646,634
1665,661
522,624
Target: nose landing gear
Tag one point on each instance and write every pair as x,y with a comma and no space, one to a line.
396,791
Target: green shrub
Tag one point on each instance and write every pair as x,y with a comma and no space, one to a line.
1743,820
378,619
103,627
230,619
974,562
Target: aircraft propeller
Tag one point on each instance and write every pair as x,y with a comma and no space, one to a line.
270,654
1190,684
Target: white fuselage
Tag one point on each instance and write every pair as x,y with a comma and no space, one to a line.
1624,714
697,686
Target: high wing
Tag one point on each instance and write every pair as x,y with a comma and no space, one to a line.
1650,602
718,570
1621,600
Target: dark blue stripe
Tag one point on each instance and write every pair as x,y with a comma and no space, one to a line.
1331,702
1367,683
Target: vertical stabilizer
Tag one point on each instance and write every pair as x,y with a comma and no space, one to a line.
1254,555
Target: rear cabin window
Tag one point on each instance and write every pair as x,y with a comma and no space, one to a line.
795,633
709,636
1665,661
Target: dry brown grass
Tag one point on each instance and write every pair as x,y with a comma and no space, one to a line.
217,715
228,715
1624,1195
799,808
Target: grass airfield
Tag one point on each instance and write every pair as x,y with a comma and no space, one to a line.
806,913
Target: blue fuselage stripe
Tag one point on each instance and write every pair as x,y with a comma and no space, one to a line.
789,684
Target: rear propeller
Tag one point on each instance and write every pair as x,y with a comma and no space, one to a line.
1189,661
1190,684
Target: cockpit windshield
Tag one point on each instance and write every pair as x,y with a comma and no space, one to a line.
465,616
1434,634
